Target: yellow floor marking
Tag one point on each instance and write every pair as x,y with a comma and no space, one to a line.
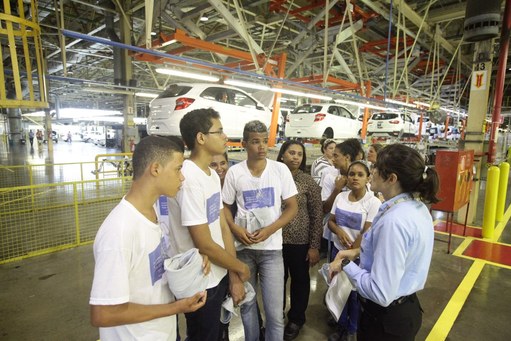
446,320
463,246
500,226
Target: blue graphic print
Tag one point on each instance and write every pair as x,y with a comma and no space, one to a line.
156,259
213,207
259,198
348,219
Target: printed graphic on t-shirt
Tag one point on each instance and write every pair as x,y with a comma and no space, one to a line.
213,207
156,259
348,219
259,198
163,205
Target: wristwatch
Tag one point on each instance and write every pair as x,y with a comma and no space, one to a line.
345,262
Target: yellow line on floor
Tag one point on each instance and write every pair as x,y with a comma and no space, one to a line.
463,246
446,320
500,226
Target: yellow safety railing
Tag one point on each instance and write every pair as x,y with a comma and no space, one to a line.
49,207
25,175
45,218
24,52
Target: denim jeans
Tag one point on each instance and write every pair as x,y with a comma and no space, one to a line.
268,267
204,324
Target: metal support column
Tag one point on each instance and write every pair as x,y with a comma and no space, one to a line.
477,109
130,132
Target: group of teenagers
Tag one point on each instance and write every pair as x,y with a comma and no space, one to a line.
259,222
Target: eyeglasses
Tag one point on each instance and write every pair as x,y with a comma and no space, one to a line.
219,131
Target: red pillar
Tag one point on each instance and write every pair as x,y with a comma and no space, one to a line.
499,86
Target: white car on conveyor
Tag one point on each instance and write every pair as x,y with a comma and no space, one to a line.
391,124
235,107
322,120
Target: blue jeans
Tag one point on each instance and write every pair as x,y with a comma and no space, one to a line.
268,267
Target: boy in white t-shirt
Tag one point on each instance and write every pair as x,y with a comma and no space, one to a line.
130,299
260,188
196,218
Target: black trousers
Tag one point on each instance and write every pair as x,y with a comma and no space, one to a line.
398,322
204,324
296,267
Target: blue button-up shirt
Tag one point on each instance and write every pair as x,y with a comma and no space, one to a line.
395,253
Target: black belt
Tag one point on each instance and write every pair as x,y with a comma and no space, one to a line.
400,300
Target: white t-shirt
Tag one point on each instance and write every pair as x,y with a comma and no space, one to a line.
351,216
327,182
198,202
253,194
129,255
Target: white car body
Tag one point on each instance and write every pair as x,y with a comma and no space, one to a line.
318,120
391,124
178,99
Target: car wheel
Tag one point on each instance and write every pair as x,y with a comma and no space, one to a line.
328,134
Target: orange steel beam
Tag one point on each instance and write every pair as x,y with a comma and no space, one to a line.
379,47
316,79
239,63
191,43
366,111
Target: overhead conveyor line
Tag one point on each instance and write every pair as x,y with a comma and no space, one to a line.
194,62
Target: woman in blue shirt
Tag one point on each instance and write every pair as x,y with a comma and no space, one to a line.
395,253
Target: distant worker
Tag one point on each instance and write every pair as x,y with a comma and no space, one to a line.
31,137
39,136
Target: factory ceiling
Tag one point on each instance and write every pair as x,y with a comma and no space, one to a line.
334,44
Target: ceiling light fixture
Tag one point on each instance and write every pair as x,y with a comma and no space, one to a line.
301,94
168,42
185,74
146,94
204,18
422,104
393,101
35,114
364,105
243,84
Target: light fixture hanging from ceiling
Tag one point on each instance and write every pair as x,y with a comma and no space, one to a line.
185,74
243,84
301,94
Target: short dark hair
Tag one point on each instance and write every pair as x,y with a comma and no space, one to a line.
254,127
410,169
194,122
377,147
152,149
350,148
285,146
